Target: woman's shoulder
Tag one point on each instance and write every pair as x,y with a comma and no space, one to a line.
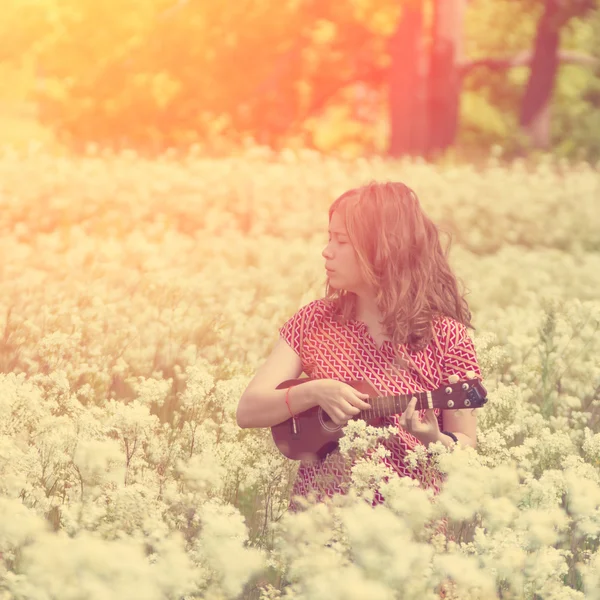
319,308
444,322
307,319
448,329
313,311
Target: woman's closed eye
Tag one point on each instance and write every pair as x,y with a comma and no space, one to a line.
339,241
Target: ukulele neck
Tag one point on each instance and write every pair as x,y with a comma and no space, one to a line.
386,406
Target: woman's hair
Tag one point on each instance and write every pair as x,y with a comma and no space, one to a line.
401,259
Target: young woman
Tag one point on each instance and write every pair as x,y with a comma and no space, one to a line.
393,315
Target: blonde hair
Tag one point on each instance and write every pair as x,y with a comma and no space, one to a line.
401,258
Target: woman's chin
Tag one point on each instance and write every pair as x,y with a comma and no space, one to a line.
336,286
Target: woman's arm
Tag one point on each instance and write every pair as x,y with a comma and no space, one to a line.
261,405
462,423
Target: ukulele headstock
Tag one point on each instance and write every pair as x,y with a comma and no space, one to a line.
468,393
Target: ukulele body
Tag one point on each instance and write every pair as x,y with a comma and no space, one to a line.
314,435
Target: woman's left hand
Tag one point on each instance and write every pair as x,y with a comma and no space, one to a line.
426,431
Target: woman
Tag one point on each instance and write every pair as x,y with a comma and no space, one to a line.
393,315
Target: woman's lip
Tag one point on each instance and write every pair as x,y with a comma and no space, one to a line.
329,270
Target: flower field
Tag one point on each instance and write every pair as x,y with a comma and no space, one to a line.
138,297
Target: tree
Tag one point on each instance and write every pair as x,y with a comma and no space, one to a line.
535,107
168,73
426,81
425,78
409,127
445,77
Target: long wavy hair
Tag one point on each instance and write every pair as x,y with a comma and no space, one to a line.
401,258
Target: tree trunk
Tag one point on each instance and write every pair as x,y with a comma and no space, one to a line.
445,74
535,107
408,84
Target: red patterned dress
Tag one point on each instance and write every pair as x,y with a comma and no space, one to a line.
331,350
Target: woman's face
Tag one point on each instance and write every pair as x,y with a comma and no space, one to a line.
340,258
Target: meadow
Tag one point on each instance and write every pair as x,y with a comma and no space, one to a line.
138,297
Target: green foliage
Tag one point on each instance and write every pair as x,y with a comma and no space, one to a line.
153,74
491,98
577,99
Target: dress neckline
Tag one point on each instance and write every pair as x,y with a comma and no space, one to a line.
364,329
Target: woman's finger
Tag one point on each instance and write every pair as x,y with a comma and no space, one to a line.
409,410
409,418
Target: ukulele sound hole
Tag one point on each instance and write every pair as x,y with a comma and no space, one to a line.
326,422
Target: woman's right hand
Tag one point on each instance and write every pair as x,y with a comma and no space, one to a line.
338,399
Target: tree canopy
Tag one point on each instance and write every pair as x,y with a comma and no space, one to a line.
170,73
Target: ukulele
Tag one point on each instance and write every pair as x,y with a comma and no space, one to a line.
313,434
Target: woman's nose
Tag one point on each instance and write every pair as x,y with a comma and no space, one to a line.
326,252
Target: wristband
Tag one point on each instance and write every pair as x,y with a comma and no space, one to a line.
287,401
451,435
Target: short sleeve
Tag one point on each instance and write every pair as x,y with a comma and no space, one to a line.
296,329
459,353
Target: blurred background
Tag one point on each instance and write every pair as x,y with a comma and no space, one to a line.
163,214
354,78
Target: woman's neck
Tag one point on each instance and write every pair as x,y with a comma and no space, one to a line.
366,310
